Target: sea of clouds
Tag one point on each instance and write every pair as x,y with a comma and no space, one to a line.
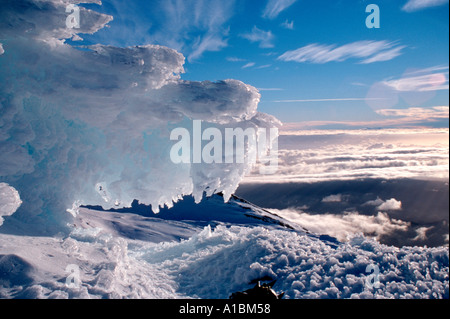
324,155
390,184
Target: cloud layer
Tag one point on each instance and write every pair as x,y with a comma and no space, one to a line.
399,212
336,155
345,225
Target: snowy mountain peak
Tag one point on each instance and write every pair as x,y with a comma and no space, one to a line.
212,211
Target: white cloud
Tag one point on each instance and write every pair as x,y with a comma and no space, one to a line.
332,199
275,7
209,42
248,65
235,59
345,225
422,233
415,87
288,25
368,51
1,49
264,38
265,66
386,55
432,69
390,204
420,83
194,27
415,5
359,84
376,202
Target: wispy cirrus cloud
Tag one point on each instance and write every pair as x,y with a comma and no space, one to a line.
416,5
193,27
386,55
366,51
275,7
432,69
264,66
209,42
430,79
288,25
414,87
248,65
235,59
264,38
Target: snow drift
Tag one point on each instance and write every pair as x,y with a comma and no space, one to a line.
126,255
9,201
91,125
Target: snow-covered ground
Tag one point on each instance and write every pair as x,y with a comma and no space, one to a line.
222,248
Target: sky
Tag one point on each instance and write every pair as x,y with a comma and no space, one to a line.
312,61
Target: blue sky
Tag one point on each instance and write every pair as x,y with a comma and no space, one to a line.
312,60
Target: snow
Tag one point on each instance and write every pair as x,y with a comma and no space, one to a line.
130,255
75,118
9,201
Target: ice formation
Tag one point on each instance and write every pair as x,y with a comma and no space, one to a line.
91,125
9,201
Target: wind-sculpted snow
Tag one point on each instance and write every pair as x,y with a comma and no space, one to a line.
182,259
9,201
228,259
92,125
